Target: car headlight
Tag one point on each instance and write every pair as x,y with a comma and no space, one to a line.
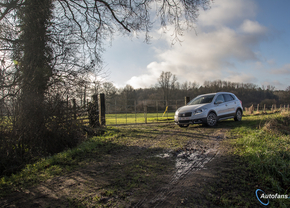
199,111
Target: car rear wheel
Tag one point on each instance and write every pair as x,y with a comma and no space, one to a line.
183,125
238,116
211,119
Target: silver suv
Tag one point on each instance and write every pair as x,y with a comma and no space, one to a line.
209,108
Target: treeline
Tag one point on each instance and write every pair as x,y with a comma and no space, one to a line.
248,93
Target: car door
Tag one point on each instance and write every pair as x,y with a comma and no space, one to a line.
230,104
220,107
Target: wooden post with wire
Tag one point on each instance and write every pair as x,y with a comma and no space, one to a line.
186,99
102,109
264,108
145,112
74,109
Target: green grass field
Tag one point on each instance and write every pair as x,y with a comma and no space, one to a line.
138,118
260,149
132,118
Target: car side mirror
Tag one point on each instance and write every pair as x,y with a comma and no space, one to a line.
218,102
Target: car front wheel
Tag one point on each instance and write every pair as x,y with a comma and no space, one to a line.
238,116
183,125
211,119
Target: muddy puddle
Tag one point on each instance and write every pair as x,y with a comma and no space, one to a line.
193,157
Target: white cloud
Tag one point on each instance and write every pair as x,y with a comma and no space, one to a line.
283,70
271,62
241,78
252,27
145,80
276,83
225,36
227,12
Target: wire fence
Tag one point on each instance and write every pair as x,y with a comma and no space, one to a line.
283,108
128,112
141,112
157,111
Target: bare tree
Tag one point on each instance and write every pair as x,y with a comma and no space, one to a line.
49,45
67,35
167,82
109,89
128,95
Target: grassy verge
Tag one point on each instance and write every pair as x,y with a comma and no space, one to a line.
260,159
58,164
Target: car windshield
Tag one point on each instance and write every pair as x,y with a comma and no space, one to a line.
201,100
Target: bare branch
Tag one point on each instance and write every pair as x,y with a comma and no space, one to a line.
113,14
13,4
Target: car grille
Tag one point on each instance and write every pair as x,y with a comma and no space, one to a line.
185,114
184,122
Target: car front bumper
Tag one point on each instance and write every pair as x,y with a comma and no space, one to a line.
195,119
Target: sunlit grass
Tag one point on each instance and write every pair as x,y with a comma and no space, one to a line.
262,144
132,118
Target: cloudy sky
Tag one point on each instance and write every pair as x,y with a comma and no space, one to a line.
239,41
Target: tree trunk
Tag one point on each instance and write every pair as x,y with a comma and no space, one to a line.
34,65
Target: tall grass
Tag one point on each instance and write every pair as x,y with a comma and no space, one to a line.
265,149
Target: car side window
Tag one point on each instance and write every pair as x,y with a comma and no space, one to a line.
228,97
219,98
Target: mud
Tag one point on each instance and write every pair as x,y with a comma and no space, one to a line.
193,157
185,186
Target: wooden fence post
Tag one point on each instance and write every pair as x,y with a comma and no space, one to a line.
145,112
135,106
167,110
252,109
272,108
157,109
186,99
116,111
126,105
67,110
102,109
264,108
74,109
258,105
1,117
85,95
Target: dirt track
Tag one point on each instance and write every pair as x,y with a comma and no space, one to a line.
192,170
183,181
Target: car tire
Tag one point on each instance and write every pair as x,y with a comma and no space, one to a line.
211,119
183,125
238,116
